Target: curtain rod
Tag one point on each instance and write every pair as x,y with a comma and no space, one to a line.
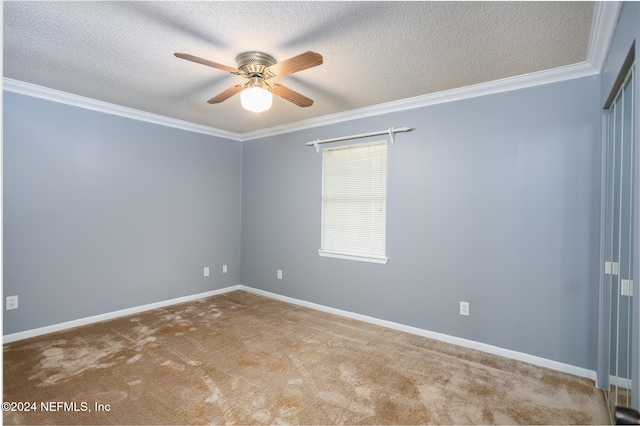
390,132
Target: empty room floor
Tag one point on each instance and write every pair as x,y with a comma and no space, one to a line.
241,358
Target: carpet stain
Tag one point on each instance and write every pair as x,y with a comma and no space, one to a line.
262,416
218,398
60,364
173,365
134,359
363,392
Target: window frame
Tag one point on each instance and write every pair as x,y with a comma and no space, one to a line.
356,256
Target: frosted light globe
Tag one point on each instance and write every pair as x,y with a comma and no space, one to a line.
256,99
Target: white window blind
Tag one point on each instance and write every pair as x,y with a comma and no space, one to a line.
354,202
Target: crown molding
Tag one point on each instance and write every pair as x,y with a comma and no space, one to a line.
36,91
605,19
498,86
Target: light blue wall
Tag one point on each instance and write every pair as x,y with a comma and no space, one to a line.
492,200
628,31
103,213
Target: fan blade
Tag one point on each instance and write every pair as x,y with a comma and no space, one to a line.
206,62
291,96
295,64
223,96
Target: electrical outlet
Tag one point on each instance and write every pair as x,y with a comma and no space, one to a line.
12,302
224,269
279,274
206,271
464,308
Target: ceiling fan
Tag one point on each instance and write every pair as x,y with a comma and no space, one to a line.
259,67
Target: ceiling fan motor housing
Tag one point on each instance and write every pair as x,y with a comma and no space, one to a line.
254,64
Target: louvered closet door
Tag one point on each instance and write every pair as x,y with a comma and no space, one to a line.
619,254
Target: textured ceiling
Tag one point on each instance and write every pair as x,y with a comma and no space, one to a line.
374,52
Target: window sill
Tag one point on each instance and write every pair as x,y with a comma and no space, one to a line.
382,260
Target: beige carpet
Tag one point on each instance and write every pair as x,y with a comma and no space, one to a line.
245,359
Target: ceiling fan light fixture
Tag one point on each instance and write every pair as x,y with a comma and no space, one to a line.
256,99
258,67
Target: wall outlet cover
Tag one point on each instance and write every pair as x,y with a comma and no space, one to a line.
464,308
12,302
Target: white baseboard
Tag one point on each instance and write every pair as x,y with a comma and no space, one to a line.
495,350
112,315
507,353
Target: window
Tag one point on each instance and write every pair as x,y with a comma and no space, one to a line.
354,202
